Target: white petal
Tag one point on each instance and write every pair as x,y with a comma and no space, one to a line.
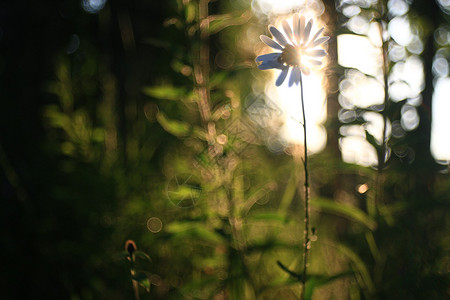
282,77
316,35
269,42
315,62
277,35
307,31
270,56
301,29
265,66
319,41
287,29
270,64
317,53
295,76
292,78
305,70
296,27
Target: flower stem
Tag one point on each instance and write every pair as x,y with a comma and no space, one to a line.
305,166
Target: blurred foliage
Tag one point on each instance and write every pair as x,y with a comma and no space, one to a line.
140,132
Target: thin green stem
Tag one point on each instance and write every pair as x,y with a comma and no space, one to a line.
305,165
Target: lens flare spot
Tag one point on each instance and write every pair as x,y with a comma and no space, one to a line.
93,6
222,139
362,188
154,224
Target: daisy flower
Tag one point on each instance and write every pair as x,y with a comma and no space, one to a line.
298,50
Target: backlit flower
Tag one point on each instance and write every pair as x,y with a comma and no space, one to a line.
298,50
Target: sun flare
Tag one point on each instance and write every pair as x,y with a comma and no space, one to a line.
301,56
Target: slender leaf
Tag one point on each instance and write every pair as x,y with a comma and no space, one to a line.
143,280
122,255
315,281
190,12
194,231
288,194
293,274
344,210
142,255
167,92
359,265
174,127
217,78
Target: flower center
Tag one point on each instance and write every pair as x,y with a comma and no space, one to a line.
290,56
